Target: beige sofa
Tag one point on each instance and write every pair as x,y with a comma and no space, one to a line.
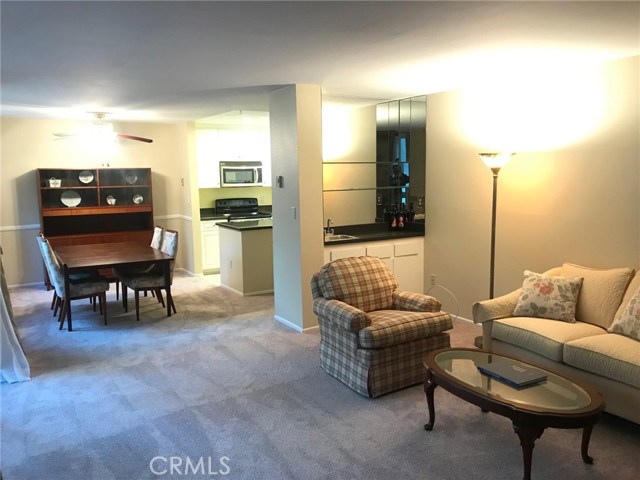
584,350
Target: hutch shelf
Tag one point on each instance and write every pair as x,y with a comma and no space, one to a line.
98,205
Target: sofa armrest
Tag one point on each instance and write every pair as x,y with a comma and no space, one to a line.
495,308
415,302
341,314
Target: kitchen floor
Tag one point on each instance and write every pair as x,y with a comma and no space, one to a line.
212,279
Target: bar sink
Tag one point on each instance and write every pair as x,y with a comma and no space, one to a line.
335,238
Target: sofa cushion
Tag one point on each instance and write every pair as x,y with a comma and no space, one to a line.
612,356
545,296
601,292
627,322
391,327
542,336
364,282
634,285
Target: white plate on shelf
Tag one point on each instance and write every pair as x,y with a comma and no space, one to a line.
131,179
111,200
85,176
137,199
70,198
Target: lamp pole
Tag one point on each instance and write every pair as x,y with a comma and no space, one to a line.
492,268
495,161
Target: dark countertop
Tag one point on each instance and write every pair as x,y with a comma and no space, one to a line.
364,233
374,232
248,224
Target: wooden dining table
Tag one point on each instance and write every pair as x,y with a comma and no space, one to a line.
76,258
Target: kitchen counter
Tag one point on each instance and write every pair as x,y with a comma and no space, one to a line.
210,213
246,256
248,224
374,231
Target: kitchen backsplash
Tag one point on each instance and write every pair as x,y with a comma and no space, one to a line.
208,196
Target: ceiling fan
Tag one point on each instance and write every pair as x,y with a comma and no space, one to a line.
100,128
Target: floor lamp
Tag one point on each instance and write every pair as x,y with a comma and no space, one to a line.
495,161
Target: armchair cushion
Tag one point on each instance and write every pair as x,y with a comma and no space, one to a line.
363,282
391,327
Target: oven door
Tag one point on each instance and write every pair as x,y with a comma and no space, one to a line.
239,175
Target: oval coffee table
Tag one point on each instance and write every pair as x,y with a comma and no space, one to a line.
555,402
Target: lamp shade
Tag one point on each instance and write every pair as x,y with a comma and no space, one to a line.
496,160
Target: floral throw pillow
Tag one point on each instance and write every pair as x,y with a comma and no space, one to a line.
628,322
548,297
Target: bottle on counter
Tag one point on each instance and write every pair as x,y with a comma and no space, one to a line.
393,217
402,217
412,213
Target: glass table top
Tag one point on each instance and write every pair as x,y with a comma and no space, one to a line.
554,393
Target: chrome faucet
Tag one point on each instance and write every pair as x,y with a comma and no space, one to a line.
328,230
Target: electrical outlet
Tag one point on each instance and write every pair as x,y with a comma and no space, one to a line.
433,279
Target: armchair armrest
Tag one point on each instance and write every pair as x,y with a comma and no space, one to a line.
341,314
495,308
415,302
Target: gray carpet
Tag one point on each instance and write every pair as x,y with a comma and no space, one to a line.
222,383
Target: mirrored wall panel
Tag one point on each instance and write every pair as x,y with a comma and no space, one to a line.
363,192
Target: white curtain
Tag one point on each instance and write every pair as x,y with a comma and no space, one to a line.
13,362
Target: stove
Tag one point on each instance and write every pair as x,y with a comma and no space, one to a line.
239,209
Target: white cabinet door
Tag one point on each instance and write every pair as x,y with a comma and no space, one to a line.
208,159
210,247
214,145
350,251
404,258
408,264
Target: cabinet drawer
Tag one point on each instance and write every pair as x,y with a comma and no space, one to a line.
347,252
208,226
384,250
406,249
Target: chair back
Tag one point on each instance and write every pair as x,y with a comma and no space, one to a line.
363,282
170,246
54,270
170,243
156,240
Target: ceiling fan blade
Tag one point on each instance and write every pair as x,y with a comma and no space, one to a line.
133,137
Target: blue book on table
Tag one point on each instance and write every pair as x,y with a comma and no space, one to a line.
512,373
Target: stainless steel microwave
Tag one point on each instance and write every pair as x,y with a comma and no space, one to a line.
240,174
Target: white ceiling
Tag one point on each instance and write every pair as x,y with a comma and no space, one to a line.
180,60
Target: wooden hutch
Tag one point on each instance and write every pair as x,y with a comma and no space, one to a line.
98,205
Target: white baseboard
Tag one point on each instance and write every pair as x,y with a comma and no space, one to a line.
295,327
287,323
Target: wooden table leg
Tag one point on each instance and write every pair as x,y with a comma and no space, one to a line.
586,436
528,435
167,283
429,387
67,297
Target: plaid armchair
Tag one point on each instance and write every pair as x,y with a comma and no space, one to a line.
373,337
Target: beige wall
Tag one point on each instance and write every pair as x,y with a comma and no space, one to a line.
576,203
296,155
28,144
